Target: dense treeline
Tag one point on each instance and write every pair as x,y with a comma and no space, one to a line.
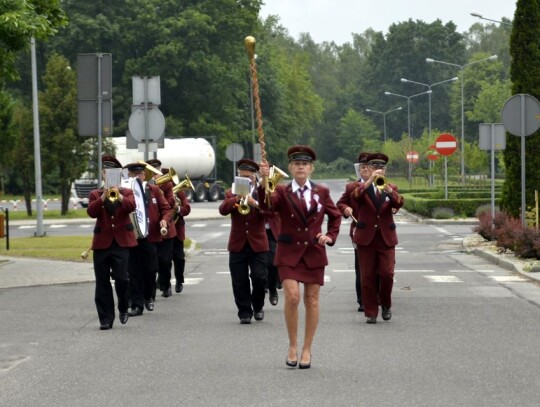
310,93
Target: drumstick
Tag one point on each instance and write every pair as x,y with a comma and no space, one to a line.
84,255
163,231
353,218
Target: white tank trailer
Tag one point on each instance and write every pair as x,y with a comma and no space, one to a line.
193,157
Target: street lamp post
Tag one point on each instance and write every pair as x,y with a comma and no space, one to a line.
409,118
478,15
384,117
462,68
429,86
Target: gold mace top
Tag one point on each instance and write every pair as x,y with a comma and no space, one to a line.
249,42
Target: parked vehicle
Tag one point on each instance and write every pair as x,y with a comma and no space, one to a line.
192,157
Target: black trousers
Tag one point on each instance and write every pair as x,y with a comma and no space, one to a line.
273,277
165,258
358,281
142,272
179,260
246,265
111,262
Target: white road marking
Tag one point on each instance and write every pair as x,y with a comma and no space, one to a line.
57,226
193,280
508,279
223,272
343,271
414,271
443,279
198,225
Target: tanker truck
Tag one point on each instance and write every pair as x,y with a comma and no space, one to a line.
193,157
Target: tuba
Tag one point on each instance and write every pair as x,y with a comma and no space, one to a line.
274,177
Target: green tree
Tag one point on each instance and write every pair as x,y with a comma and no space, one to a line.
19,22
525,76
66,153
357,133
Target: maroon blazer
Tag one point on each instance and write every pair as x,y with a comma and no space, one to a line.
297,237
116,225
274,221
345,202
244,228
158,209
167,189
182,209
375,214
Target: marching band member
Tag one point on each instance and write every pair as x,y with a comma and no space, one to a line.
248,247
113,236
143,264
348,208
375,237
165,245
301,254
180,210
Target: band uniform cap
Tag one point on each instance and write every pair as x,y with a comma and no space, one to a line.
377,158
301,153
164,171
154,162
135,167
248,165
363,157
109,161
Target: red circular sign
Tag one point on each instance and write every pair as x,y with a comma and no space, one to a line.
412,157
446,144
433,157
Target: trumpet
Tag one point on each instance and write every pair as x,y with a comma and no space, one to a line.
274,177
112,194
243,206
380,182
84,255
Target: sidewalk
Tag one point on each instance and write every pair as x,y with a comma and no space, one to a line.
25,272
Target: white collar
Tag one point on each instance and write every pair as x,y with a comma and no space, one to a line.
296,187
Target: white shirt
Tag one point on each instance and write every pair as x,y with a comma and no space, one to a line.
307,192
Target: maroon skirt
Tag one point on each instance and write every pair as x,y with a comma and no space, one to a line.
302,273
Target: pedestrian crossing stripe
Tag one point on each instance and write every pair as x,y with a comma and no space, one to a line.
193,280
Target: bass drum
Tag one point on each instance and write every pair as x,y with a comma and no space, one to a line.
139,216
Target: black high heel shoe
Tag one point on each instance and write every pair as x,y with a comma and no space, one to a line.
291,363
305,365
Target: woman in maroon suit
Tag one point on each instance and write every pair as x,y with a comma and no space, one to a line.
376,238
113,236
300,254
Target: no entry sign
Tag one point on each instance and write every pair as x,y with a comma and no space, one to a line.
446,144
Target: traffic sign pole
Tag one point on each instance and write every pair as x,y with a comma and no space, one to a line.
446,144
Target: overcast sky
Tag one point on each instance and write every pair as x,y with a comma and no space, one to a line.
335,20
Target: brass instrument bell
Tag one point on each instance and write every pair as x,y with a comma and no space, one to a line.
170,176
112,194
380,182
183,185
149,171
274,177
243,206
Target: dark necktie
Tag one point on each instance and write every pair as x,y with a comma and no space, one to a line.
302,199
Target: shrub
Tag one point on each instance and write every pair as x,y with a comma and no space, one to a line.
507,230
527,243
442,213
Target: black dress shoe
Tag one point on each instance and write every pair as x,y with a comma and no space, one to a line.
178,287
371,320
105,325
259,316
245,320
360,308
274,298
135,312
149,305
167,292
124,316
386,313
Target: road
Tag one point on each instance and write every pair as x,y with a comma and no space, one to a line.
464,333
